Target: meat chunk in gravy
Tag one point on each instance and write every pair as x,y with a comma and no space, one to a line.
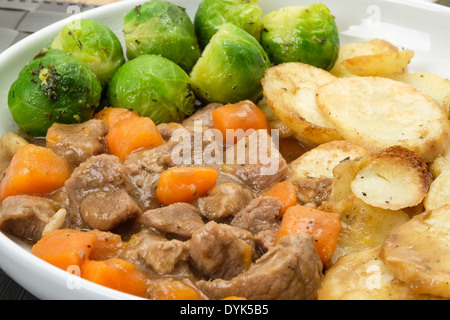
291,270
260,217
202,116
78,142
256,161
221,251
163,256
179,219
26,216
143,168
224,200
99,194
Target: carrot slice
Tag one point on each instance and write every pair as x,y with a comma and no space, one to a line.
106,246
323,226
113,116
174,290
244,115
132,134
185,184
116,274
286,192
65,248
34,170
234,298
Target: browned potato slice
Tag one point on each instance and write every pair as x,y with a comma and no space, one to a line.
370,279
418,252
441,163
430,84
378,113
394,179
378,64
273,121
290,90
439,193
363,226
312,172
371,49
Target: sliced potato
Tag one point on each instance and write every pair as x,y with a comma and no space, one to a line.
363,226
394,178
343,174
9,144
418,252
430,84
379,64
353,50
439,193
312,173
370,279
441,163
290,90
378,113
273,121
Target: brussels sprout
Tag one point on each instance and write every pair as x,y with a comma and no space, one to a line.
94,44
54,87
230,68
161,28
211,14
301,34
154,87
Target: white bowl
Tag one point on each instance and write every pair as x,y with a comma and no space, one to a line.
413,24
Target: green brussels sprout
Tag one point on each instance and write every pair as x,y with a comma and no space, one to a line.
211,14
231,67
161,28
301,34
154,87
94,44
53,87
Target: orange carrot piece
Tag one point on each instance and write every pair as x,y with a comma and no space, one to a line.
174,290
113,116
65,248
286,192
323,226
132,134
34,170
106,246
185,184
116,274
244,115
234,298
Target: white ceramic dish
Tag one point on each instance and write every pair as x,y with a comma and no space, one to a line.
413,24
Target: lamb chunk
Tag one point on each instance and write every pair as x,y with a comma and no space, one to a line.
160,254
224,200
106,210
291,270
78,142
26,216
180,219
164,255
221,251
144,168
99,178
167,129
153,160
256,161
260,217
203,116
